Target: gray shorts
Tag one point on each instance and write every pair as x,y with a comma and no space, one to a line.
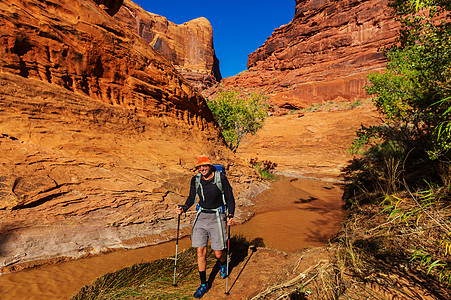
206,227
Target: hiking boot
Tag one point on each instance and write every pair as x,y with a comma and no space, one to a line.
201,291
223,271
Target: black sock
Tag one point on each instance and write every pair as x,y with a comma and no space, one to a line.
203,277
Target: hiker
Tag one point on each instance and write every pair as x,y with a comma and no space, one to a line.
215,196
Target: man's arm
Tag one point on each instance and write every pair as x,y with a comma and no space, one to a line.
230,199
190,200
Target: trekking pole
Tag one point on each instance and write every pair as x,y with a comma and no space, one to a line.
228,255
176,249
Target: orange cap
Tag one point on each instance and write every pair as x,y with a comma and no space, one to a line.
203,161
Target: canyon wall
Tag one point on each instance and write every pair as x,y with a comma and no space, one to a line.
189,46
323,54
99,134
78,46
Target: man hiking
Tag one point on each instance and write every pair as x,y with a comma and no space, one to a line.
215,196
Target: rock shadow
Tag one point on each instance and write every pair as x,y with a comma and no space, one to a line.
306,200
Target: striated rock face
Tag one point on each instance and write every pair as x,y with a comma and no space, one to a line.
188,46
76,45
324,54
98,135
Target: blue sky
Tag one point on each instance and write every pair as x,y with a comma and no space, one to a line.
239,27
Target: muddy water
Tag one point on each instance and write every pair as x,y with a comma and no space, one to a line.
293,214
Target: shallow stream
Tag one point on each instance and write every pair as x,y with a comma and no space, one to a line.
293,214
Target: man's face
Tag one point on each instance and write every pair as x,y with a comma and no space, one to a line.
205,170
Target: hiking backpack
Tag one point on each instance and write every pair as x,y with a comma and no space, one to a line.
217,180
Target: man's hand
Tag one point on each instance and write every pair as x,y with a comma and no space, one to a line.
230,221
179,209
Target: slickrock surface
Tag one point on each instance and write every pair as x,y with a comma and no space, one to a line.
310,144
324,54
98,134
189,46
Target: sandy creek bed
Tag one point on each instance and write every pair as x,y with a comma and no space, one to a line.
293,214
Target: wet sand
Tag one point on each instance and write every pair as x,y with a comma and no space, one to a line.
292,215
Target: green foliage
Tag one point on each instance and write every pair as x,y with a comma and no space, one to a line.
411,6
433,266
302,290
238,115
357,103
442,132
416,210
414,97
414,92
264,168
265,174
334,106
314,107
265,171
398,208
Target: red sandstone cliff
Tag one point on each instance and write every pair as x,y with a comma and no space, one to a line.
98,134
188,46
324,54
74,44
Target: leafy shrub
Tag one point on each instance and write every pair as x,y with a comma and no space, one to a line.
238,114
264,168
414,92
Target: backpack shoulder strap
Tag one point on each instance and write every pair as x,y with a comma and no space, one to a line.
218,183
197,183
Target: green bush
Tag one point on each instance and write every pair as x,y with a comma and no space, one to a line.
264,168
238,114
414,92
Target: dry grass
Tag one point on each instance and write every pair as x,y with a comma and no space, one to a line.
375,252
395,242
